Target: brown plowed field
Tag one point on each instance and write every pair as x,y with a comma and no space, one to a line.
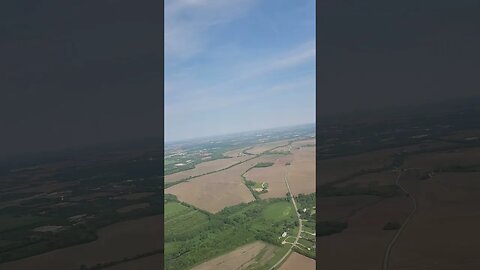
273,176
362,245
443,234
205,167
240,258
296,261
215,191
303,143
337,168
342,207
124,239
258,149
301,172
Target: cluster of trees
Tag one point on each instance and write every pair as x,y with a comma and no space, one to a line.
42,242
99,266
263,164
330,227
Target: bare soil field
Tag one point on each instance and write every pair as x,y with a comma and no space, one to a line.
381,179
337,168
362,245
148,263
443,234
215,191
117,241
240,258
304,143
301,172
132,207
341,207
297,261
258,149
273,176
205,167
283,149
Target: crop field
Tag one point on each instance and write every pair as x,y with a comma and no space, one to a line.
244,257
258,149
115,242
365,228
215,191
301,172
297,261
273,176
446,222
304,143
234,217
205,167
339,208
182,220
335,169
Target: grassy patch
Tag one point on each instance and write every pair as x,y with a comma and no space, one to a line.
263,164
278,211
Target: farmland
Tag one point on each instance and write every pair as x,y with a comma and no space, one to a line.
97,207
297,261
405,186
238,216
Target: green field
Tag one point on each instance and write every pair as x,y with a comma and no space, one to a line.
193,237
182,222
279,211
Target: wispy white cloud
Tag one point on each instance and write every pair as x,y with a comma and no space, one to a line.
187,23
214,102
244,72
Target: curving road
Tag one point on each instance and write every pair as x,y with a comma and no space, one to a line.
386,259
299,228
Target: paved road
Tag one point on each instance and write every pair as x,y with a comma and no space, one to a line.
386,259
299,228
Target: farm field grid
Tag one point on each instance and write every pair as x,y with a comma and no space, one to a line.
400,189
245,201
91,208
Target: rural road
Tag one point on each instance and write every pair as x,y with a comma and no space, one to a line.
386,259
299,223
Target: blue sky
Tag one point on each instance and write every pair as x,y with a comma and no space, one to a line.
238,65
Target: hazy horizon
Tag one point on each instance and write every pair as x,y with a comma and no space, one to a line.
238,132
